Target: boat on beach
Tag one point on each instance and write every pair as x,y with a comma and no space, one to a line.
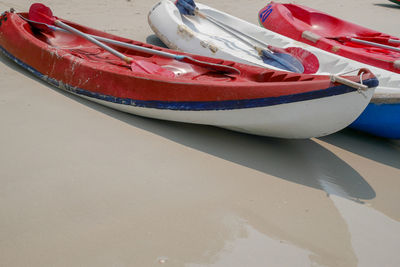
195,34
256,100
333,34
340,37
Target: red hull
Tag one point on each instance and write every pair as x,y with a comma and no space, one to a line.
65,59
328,33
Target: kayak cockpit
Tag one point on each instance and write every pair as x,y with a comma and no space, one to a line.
333,28
320,23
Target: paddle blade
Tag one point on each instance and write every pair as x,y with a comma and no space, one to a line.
186,7
282,61
309,61
143,66
42,14
209,65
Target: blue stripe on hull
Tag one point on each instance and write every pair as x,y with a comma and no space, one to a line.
380,119
196,105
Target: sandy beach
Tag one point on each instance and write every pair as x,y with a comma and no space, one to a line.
85,185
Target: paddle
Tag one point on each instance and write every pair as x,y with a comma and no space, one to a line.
279,60
308,60
355,40
378,39
42,17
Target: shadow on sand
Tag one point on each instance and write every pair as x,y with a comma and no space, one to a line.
299,161
385,151
388,5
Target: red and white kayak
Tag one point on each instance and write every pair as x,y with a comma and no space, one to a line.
332,34
258,100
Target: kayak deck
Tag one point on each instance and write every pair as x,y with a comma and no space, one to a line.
81,48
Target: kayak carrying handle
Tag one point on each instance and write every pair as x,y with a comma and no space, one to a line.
310,36
359,86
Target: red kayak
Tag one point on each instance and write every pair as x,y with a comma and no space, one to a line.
332,34
256,100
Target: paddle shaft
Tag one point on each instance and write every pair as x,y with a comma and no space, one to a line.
188,59
93,40
167,55
226,29
267,52
237,31
130,46
393,41
139,48
44,16
355,40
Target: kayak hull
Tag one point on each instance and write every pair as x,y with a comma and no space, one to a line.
380,119
284,107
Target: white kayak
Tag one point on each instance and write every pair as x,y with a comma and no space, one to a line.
197,35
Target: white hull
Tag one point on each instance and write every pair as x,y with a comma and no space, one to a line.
304,119
199,36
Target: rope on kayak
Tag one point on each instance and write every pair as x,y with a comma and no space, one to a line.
348,72
361,75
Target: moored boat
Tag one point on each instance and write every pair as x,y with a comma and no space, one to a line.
340,37
258,101
381,117
195,34
333,34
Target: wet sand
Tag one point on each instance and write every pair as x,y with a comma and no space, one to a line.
84,185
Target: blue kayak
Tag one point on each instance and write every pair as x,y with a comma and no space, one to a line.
380,119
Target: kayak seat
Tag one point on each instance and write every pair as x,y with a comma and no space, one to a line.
319,23
144,66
